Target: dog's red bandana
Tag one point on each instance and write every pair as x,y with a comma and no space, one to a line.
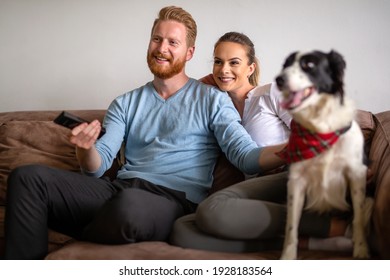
305,144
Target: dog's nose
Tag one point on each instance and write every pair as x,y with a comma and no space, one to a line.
280,81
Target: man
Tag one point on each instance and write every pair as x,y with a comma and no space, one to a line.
173,129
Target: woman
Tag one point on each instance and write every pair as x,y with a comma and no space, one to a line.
236,70
250,216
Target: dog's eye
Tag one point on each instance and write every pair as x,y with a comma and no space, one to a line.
307,65
310,64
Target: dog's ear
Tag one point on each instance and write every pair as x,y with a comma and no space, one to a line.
289,60
337,66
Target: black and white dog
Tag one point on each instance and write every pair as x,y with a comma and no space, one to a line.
325,149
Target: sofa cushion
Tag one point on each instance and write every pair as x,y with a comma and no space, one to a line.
33,142
28,137
150,250
156,250
225,174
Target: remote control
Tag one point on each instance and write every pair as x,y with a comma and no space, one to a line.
71,121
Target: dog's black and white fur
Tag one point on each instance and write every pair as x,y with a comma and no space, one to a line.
312,88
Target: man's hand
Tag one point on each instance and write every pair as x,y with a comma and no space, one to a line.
269,160
84,135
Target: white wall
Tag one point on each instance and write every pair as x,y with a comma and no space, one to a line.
80,54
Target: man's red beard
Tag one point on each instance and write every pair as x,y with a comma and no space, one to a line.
163,71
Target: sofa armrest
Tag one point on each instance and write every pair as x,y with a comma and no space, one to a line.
380,164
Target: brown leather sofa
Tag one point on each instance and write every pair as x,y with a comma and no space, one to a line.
31,137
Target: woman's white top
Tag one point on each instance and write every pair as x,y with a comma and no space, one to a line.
263,118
